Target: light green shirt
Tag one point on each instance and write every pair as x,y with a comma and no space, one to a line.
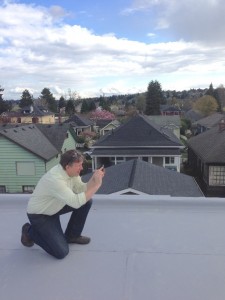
55,190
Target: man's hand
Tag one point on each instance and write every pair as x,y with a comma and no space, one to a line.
95,182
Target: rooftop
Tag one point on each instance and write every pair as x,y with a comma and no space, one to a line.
143,247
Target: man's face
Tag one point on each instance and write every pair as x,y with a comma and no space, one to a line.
74,169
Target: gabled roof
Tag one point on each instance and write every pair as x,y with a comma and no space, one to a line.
209,145
210,121
43,140
142,177
164,120
55,133
79,121
139,131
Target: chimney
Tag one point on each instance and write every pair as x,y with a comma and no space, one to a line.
222,125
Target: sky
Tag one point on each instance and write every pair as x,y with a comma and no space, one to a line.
92,48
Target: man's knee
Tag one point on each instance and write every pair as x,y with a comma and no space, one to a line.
62,252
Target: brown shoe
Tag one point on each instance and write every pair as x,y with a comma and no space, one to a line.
82,240
25,239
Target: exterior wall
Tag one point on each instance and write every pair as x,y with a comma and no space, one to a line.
69,143
10,154
26,119
106,129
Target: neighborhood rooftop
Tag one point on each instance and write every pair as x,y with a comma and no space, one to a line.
138,177
143,247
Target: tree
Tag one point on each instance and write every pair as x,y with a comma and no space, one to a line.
154,98
101,114
206,105
214,93
141,103
104,104
4,106
62,102
26,99
70,108
84,107
49,99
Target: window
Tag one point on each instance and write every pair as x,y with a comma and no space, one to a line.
169,160
217,175
117,159
25,168
28,188
2,189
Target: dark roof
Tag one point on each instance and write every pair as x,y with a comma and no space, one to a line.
209,145
79,121
147,178
139,131
169,108
41,139
211,120
55,133
102,123
193,115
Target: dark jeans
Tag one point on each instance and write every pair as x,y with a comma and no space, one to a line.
46,231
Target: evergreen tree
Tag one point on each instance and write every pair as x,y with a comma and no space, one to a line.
92,106
104,104
49,99
4,106
26,99
62,102
154,98
70,108
84,107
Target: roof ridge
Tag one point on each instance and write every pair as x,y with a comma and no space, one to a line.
132,173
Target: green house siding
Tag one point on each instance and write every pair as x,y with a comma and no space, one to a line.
21,168
12,155
69,143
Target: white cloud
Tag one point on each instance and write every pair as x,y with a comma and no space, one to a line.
37,52
191,20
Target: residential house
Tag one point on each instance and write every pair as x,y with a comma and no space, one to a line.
80,124
206,157
172,123
28,151
206,123
137,177
102,127
30,114
138,138
167,110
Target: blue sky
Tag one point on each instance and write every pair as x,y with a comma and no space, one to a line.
98,47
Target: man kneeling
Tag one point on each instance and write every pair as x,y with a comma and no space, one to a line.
60,191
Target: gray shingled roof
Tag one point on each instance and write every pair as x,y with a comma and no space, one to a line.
55,133
209,145
165,120
211,120
147,178
43,140
32,139
139,131
78,120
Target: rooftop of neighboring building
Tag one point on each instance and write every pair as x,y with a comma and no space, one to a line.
143,247
139,177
